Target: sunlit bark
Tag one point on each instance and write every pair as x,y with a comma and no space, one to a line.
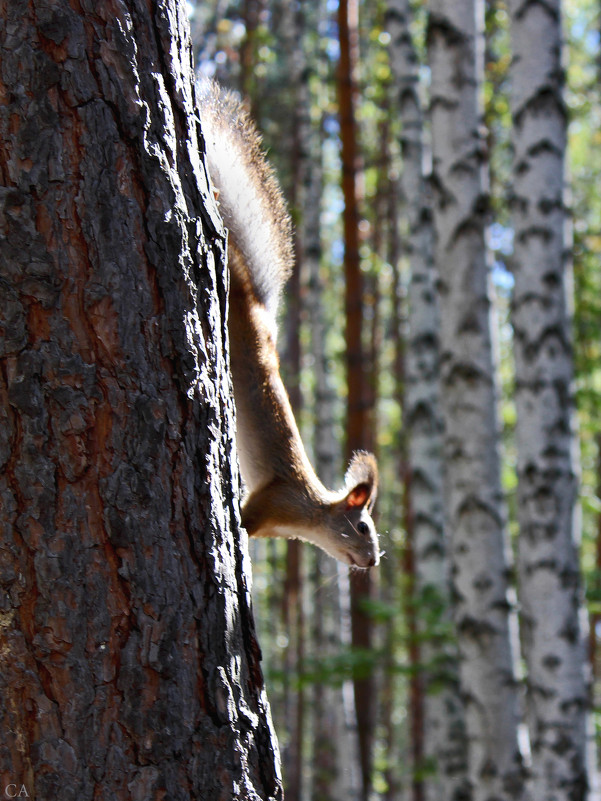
129,666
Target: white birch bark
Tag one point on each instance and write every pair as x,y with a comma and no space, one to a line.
548,568
473,498
444,724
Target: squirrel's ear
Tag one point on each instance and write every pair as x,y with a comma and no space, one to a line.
361,480
358,496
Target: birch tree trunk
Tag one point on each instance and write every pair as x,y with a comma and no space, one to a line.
474,505
549,579
445,744
129,667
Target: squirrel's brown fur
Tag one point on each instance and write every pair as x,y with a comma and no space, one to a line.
284,497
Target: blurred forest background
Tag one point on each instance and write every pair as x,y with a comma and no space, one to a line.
442,165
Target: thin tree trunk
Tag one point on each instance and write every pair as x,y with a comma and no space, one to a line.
595,620
328,785
416,680
294,658
336,760
292,36
335,748
251,12
416,685
445,745
350,766
549,576
333,753
393,771
361,585
393,767
129,667
357,421
473,499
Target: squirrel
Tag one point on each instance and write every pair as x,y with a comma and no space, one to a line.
283,495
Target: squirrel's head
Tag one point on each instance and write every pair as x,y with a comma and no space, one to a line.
351,534
339,523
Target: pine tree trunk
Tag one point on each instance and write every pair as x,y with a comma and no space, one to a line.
357,420
292,39
348,19
549,577
129,667
474,506
251,12
445,744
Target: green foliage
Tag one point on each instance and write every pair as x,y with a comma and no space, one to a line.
497,115
332,670
584,169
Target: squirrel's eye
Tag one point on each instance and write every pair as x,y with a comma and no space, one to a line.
362,527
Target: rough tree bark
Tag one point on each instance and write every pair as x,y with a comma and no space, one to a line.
474,504
548,567
444,724
129,667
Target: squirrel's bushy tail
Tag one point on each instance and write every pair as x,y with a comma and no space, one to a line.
250,199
